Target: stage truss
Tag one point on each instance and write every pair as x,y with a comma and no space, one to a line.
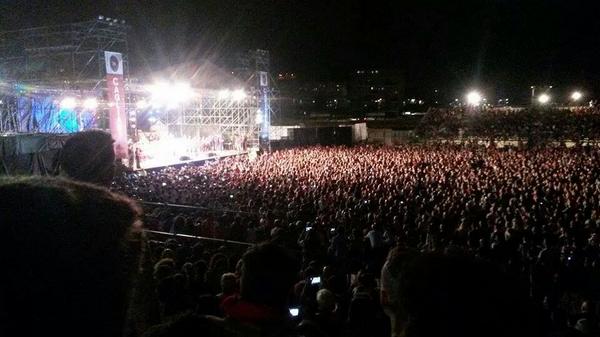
68,56
209,115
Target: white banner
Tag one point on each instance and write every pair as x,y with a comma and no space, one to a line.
114,63
264,79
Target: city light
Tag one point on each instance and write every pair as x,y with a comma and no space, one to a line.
68,103
474,98
90,103
576,95
543,98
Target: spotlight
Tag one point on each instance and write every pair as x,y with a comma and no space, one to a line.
474,98
90,103
576,95
141,104
159,93
543,98
258,118
181,92
68,103
170,95
238,95
223,94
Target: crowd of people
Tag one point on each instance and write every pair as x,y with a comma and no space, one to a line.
414,240
532,213
532,124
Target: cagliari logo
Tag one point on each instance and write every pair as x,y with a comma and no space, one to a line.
114,63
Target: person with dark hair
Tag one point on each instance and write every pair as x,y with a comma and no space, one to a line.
89,156
390,279
70,253
229,286
268,274
459,296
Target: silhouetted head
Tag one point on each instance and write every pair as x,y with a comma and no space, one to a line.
69,253
89,156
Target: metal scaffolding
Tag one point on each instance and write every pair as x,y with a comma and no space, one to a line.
40,65
254,66
209,114
70,55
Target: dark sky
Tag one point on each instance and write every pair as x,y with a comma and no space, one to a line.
503,46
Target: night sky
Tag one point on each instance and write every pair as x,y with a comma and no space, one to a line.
503,46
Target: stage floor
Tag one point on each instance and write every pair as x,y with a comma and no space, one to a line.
156,163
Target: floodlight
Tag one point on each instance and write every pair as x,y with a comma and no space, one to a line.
68,103
474,98
159,93
543,98
90,103
181,92
141,104
576,95
238,95
167,94
223,94
259,116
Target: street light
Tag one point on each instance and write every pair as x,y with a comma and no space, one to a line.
576,96
543,98
474,98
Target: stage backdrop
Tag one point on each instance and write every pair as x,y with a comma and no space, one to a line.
116,101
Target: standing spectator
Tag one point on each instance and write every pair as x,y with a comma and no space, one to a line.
69,254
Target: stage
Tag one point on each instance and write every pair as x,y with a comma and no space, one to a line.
201,158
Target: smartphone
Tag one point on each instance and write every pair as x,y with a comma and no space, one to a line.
332,230
294,312
315,280
308,228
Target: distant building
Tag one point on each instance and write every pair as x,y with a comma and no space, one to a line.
375,91
363,92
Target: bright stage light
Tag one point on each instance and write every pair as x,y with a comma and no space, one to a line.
141,104
474,98
223,94
167,94
158,93
259,116
68,103
543,98
238,95
181,92
90,103
576,95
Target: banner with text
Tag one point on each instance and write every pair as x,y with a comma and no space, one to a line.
116,102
